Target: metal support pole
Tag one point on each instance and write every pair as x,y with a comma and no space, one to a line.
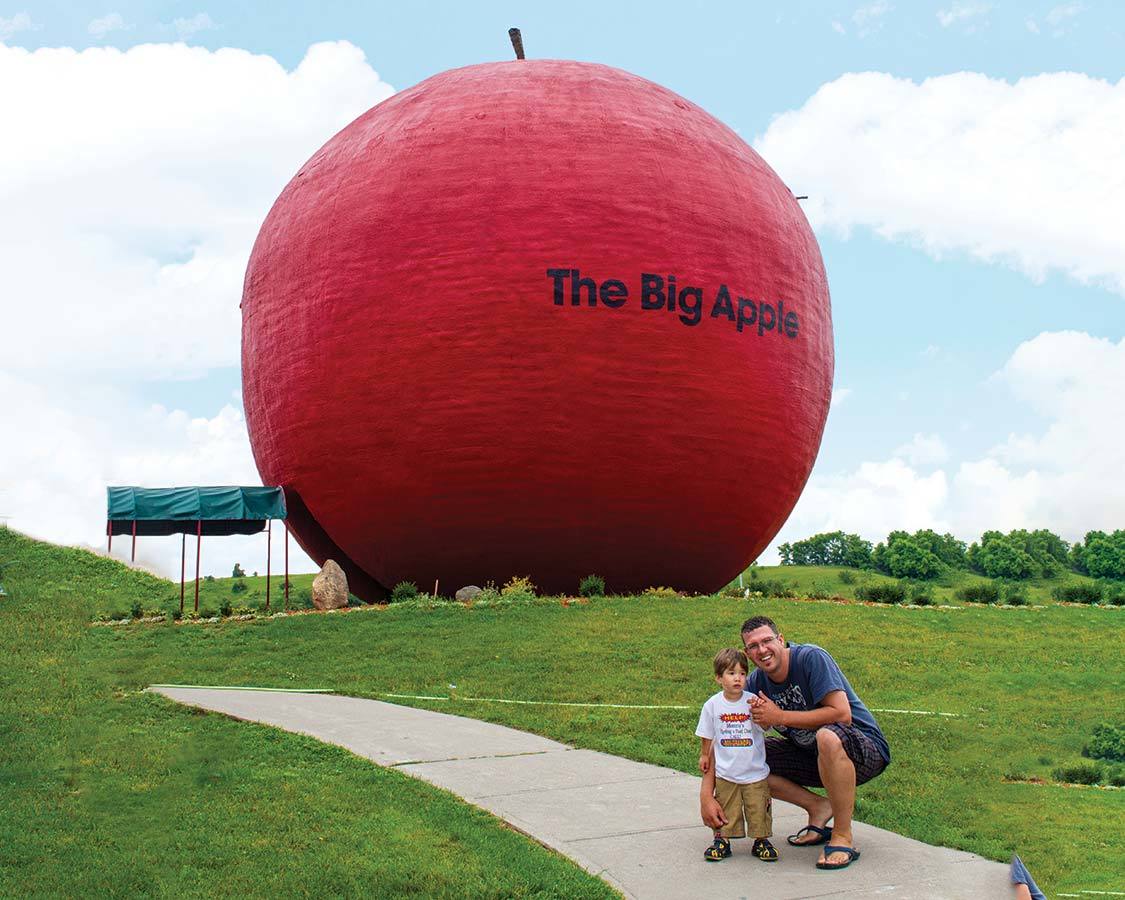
133,554
268,540
183,557
198,542
286,566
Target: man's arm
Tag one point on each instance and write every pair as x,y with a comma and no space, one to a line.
833,708
709,809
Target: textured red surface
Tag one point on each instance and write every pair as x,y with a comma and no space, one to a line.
434,415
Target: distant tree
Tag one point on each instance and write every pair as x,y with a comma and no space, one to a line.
237,573
945,547
1002,558
905,558
1104,554
832,548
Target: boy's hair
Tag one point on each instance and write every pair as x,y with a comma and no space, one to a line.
757,622
729,658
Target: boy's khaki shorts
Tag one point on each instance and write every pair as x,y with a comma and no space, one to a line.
745,805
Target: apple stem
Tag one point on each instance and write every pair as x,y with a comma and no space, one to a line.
517,42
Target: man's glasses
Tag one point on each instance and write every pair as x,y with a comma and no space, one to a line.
754,648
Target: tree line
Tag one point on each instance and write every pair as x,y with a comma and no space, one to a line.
926,554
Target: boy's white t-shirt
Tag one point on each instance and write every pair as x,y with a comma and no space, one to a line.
740,745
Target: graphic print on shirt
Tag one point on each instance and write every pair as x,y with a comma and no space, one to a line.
792,698
734,730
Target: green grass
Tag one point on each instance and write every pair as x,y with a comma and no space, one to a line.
106,791
1028,686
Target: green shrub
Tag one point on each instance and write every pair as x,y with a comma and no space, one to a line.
1078,773
303,599
403,591
1113,593
920,595
1115,775
1107,742
237,572
662,593
207,612
980,592
488,595
136,610
774,587
225,609
1015,595
518,588
353,600
592,586
888,592
238,586
176,614
1078,593
846,576
210,579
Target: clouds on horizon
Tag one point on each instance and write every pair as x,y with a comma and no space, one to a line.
1066,477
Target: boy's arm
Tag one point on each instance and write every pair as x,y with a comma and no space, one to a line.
704,754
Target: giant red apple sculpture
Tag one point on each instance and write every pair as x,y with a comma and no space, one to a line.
541,318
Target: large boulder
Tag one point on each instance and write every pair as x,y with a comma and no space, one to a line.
467,593
330,587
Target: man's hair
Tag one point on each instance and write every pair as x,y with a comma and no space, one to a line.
756,622
729,658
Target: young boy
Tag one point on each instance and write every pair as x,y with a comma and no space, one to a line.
727,729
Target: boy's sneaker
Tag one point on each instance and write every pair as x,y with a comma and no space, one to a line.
764,850
718,850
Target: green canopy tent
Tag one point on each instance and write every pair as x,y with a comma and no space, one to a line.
199,511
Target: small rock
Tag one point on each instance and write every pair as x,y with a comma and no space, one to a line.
467,593
330,587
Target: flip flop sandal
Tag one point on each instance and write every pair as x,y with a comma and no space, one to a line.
829,849
823,836
764,850
718,850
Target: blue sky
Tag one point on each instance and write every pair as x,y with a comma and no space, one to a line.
962,160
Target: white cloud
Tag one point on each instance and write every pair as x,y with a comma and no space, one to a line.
21,21
838,28
1025,174
923,450
962,11
155,209
123,255
931,351
1066,478
185,28
839,395
1032,25
113,21
869,18
1064,12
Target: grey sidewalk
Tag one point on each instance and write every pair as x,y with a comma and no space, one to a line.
635,825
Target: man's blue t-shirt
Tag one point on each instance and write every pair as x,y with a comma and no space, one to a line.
813,673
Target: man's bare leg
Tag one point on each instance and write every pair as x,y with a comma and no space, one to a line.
837,773
818,807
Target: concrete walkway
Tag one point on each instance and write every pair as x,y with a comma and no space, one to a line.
635,825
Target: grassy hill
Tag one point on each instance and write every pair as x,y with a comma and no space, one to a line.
102,780
829,581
